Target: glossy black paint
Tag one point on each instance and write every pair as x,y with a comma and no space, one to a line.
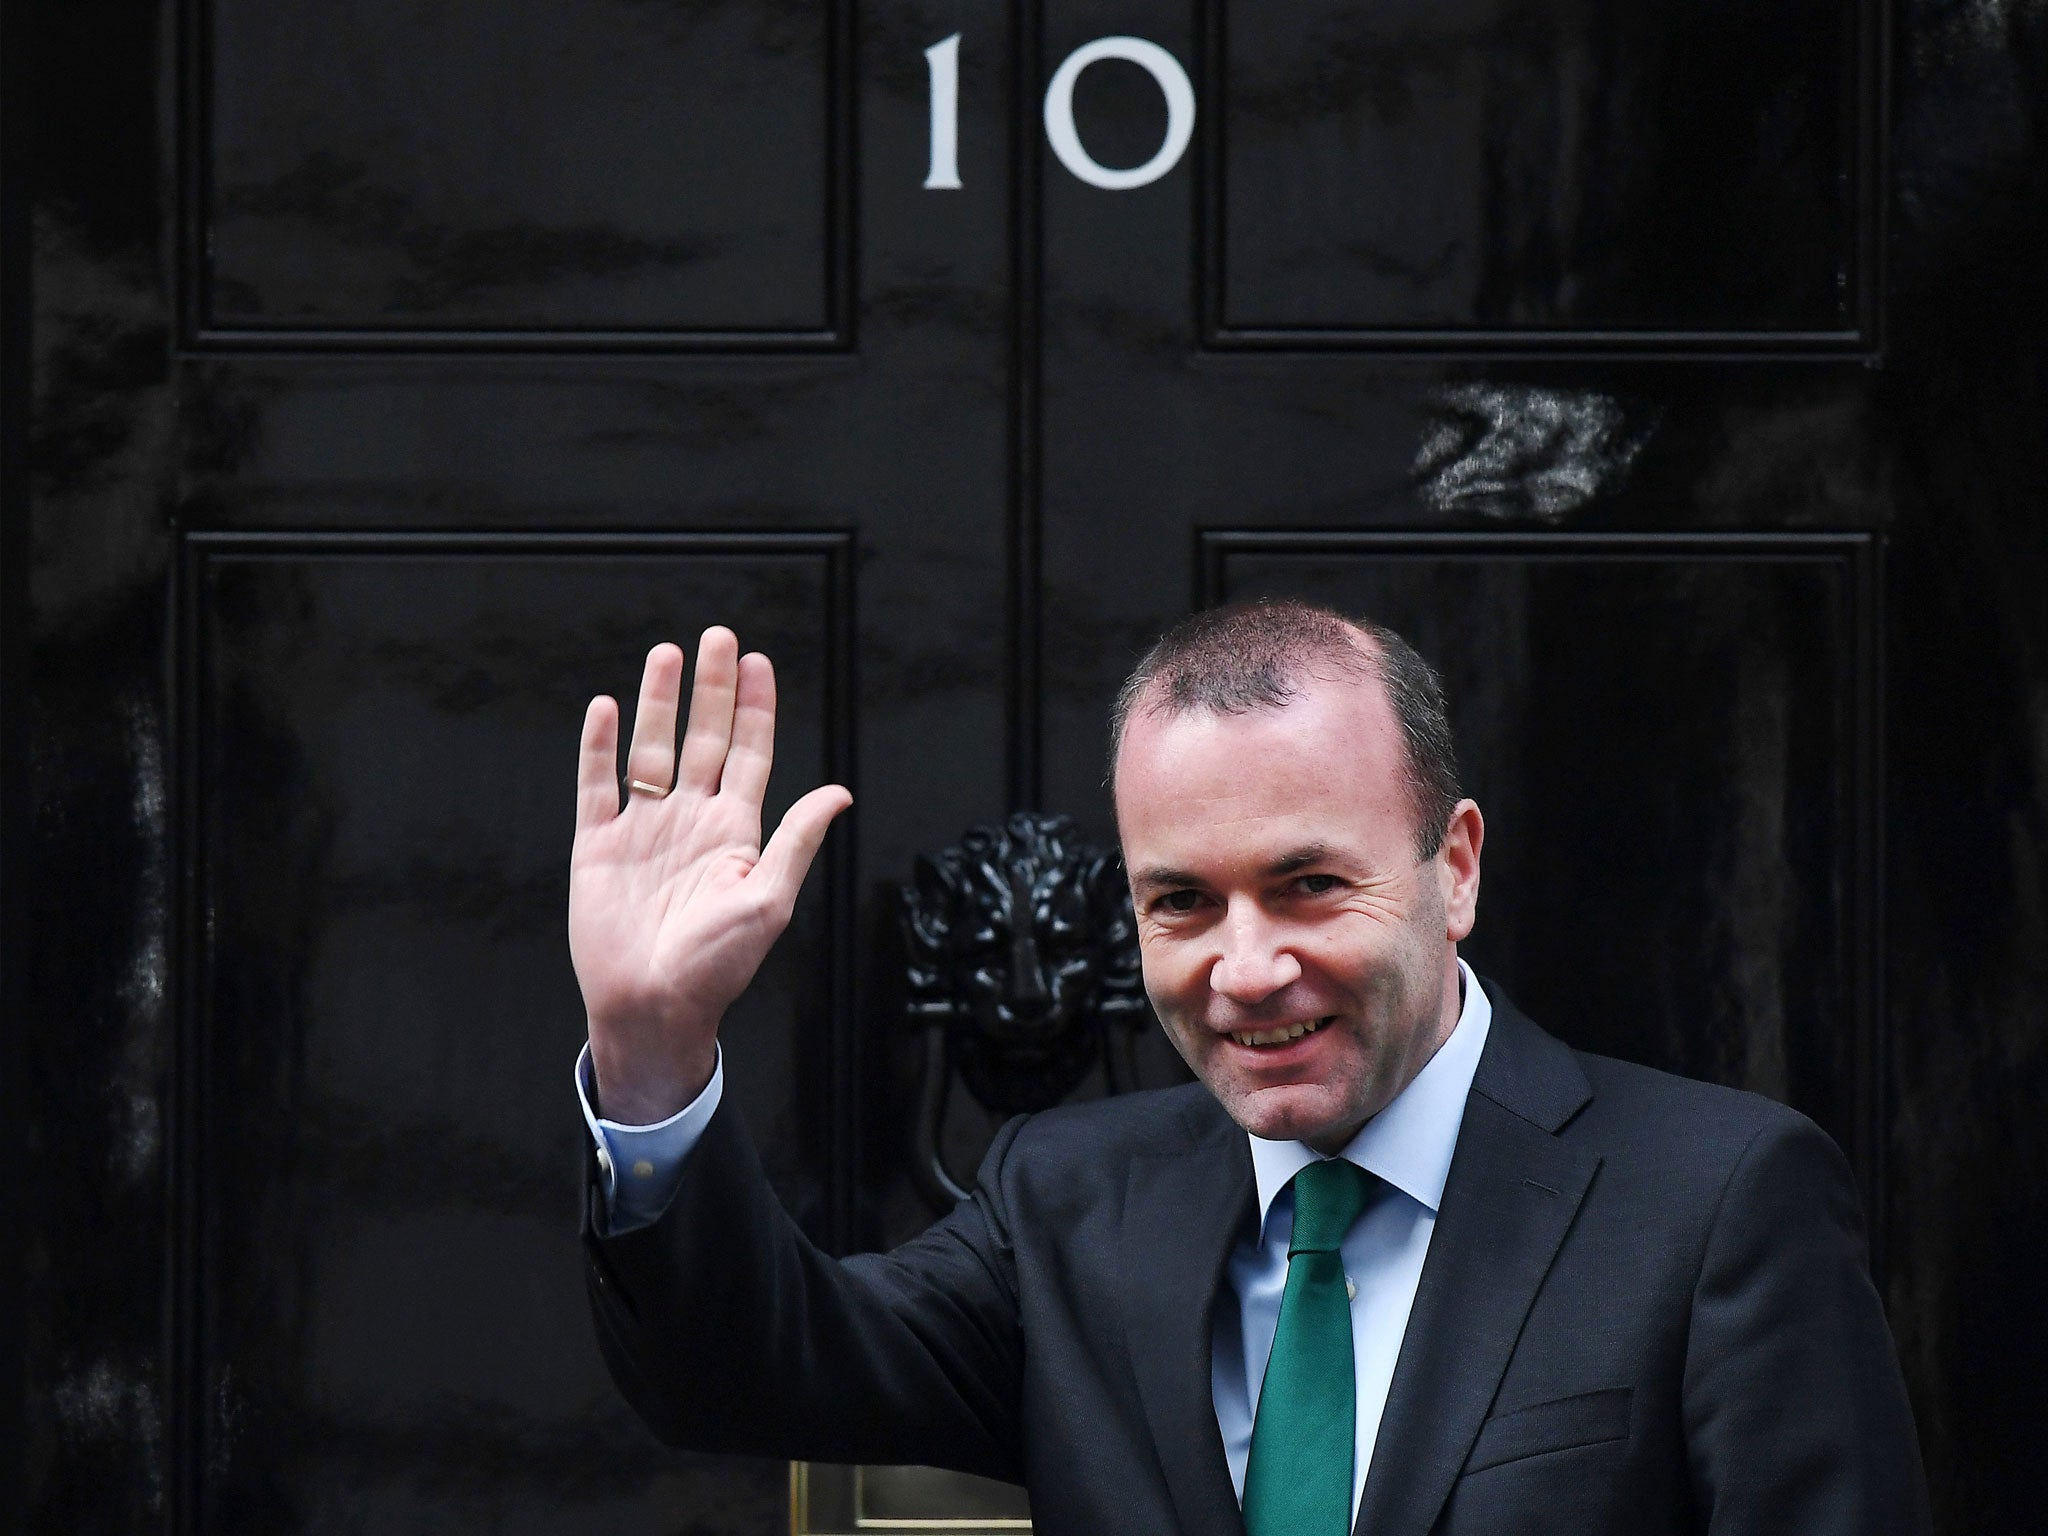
383,1019
1494,166
646,175
1676,375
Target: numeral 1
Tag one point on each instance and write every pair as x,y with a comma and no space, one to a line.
943,62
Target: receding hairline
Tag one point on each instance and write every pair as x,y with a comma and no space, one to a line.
1363,663
1262,656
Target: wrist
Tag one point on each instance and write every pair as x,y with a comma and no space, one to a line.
636,1088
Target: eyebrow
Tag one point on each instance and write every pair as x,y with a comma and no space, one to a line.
1152,879
1289,862
1299,858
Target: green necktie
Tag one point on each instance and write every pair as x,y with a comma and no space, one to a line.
1298,1480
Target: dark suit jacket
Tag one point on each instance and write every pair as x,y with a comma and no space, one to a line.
1645,1309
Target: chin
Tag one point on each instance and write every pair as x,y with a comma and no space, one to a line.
1304,1112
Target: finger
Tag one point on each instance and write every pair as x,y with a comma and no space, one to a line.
752,755
710,732
787,858
597,784
652,757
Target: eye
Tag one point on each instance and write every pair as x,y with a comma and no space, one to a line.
1316,885
1179,901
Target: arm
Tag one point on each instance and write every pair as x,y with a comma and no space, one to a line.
723,1324
1796,1418
728,1330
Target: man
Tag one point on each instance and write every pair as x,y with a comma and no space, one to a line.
1400,1262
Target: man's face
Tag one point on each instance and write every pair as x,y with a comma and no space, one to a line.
1300,955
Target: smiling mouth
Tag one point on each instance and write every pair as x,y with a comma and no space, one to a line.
1270,1037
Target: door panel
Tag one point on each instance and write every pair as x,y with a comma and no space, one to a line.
389,1333
1500,168
575,172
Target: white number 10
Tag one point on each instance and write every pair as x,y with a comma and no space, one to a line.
942,60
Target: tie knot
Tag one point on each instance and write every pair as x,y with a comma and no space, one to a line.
1328,1196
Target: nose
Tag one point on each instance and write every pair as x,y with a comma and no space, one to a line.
1254,962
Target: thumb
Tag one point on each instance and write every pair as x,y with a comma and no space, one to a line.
787,858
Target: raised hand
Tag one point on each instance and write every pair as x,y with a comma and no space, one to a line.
673,902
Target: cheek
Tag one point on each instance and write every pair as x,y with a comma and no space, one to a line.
1368,947
1176,969
1166,970
1167,1002
1178,1003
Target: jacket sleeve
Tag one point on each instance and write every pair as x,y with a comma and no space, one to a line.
728,1330
1796,1418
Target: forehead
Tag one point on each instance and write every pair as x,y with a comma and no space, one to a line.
1326,766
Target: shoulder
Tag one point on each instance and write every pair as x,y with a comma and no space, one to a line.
1639,1102
1080,1154
1149,1121
1614,1106
1627,1093
1666,1144
1677,1135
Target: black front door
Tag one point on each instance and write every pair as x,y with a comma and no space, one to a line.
401,373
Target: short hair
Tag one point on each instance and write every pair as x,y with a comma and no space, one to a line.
1257,655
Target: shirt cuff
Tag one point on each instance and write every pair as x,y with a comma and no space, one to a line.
641,1166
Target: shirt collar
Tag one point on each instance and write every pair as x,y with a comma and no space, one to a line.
1410,1142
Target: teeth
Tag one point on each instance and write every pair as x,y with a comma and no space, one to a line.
1276,1036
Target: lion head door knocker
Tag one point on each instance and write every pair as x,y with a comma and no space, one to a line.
1023,976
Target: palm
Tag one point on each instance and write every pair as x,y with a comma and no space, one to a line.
659,919
673,901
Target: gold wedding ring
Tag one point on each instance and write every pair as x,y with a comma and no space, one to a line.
642,787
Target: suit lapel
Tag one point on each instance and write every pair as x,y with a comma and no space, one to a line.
1183,1211
1513,1190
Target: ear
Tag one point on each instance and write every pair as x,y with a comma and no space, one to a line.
1457,867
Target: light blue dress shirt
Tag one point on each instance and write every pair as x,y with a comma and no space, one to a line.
1408,1145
